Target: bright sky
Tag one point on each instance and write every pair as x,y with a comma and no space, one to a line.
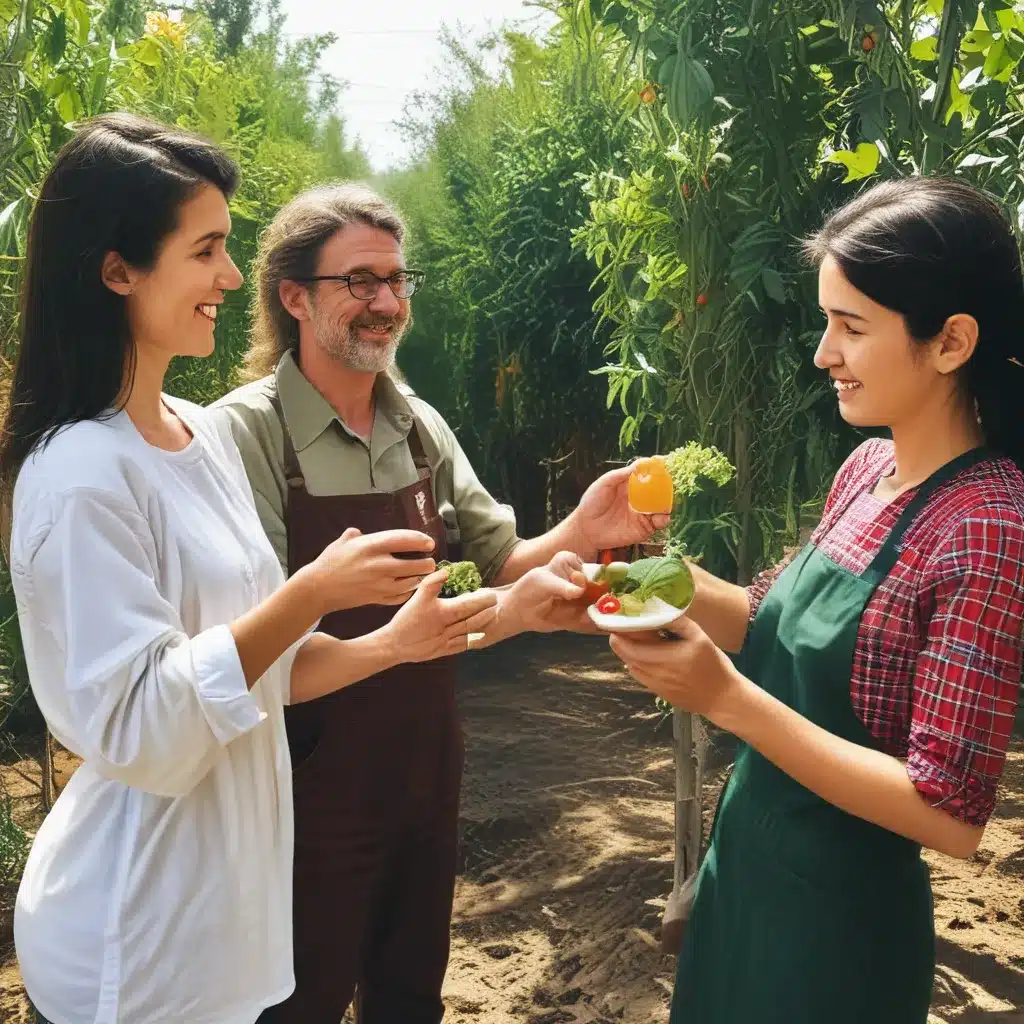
386,54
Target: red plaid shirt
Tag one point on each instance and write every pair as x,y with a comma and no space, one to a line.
937,663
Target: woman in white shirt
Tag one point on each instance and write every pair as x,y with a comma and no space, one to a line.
160,636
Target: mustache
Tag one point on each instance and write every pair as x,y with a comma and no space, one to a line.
380,321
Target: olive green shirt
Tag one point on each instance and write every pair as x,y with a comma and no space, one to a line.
334,460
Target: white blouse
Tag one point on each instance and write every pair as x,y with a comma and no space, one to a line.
158,889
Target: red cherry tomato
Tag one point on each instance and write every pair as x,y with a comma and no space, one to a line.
609,605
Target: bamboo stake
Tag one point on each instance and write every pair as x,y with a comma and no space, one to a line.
49,783
688,749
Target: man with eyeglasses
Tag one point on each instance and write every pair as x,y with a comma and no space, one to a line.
333,439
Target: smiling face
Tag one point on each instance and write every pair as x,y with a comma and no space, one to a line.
172,307
361,334
883,377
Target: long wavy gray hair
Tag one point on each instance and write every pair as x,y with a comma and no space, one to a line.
288,251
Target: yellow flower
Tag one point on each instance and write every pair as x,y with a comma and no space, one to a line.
158,24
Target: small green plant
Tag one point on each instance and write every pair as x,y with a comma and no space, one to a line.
463,578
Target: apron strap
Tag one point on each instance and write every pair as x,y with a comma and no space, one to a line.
292,470
419,455
889,554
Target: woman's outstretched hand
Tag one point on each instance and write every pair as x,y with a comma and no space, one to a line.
429,626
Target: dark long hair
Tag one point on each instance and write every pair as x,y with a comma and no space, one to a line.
116,186
932,247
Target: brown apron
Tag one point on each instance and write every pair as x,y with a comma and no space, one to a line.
376,772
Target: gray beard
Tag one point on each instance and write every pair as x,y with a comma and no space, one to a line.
347,348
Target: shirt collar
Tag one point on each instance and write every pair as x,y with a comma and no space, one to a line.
308,414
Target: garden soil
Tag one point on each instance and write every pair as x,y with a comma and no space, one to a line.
567,855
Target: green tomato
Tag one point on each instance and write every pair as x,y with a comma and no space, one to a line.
615,574
631,605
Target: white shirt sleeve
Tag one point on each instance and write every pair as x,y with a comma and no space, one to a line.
144,703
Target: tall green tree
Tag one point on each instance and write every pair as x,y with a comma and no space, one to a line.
260,95
505,336
749,122
694,245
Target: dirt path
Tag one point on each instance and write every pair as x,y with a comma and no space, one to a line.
567,826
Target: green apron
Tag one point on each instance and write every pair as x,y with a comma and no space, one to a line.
805,914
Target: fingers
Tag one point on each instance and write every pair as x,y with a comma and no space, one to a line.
399,541
457,645
478,623
405,568
684,628
430,587
350,534
567,564
635,647
618,475
457,609
564,590
620,647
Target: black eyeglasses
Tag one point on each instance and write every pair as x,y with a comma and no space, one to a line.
365,284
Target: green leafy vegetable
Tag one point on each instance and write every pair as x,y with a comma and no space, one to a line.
692,467
694,461
671,580
638,573
668,577
463,578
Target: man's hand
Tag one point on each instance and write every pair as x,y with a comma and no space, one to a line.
604,520
547,599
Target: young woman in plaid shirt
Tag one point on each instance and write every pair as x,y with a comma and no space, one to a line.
878,673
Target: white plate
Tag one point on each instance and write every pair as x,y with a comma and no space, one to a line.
657,613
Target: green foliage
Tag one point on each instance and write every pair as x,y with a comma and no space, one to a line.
931,86
505,336
668,577
262,97
748,123
698,526
694,244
